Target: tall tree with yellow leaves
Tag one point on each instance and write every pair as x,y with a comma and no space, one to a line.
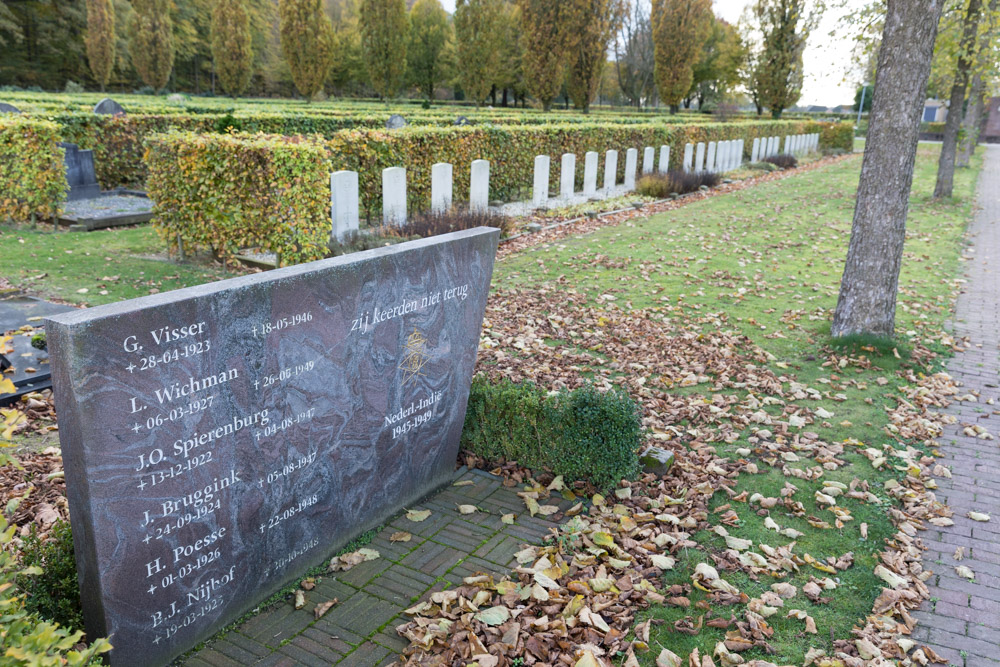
546,35
100,39
307,42
595,23
232,45
151,41
680,28
384,31
478,32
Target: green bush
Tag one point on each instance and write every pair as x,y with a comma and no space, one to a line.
55,593
26,639
32,173
581,434
228,192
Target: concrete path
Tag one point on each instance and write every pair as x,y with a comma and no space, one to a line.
360,630
962,621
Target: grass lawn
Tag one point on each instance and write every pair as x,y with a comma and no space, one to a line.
94,268
770,258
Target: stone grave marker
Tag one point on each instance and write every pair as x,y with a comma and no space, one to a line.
699,157
479,186
610,169
108,106
648,155
394,196
344,204
80,175
567,175
664,165
220,440
540,190
442,187
462,120
395,122
590,173
8,108
688,157
631,163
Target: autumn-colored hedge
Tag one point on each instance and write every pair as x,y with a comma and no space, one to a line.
196,180
32,173
226,192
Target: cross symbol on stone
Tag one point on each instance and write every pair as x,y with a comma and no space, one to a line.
152,588
148,538
260,484
142,484
262,528
130,367
256,384
157,640
136,428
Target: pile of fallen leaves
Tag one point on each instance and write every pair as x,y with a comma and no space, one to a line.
574,600
33,491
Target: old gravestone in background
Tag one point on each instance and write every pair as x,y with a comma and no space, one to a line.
80,173
220,440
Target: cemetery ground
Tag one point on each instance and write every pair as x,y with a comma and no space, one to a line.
715,317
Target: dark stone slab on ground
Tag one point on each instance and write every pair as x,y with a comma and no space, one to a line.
221,440
110,209
16,312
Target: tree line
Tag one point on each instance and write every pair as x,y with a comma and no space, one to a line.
637,52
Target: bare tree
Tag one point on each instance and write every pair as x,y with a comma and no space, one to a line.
867,302
634,54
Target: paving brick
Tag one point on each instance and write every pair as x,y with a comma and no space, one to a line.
335,639
362,615
400,585
239,653
368,654
433,559
215,658
303,657
267,627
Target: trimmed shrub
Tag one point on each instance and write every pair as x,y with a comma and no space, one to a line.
32,172
581,434
28,639
662,186
226,193
54,594
425,224
783,161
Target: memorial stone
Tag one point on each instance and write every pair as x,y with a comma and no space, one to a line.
462,121
442,187
394,196
710,156
479,186
108,106
610,170
664,165
648,158
540,193
590,173
344,204
395,122
80,174
755,153
688,156
567,175
219,441
699,157
8,108
631,163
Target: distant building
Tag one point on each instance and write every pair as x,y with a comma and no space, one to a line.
991,128
843,108
935,111
817,108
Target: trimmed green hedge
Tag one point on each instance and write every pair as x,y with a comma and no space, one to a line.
581,434
226,193
192,177
32,171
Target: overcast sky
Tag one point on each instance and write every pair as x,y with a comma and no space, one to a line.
827,59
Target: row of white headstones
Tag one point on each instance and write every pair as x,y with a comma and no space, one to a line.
716,157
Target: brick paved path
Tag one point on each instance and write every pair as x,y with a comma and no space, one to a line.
962,621
360,630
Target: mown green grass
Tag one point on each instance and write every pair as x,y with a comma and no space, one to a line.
112,265
770,258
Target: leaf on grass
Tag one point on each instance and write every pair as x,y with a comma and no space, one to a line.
668,658
418,515
662,562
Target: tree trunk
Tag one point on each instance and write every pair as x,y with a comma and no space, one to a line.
867,302
946,161
673,109
776,113
972,122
